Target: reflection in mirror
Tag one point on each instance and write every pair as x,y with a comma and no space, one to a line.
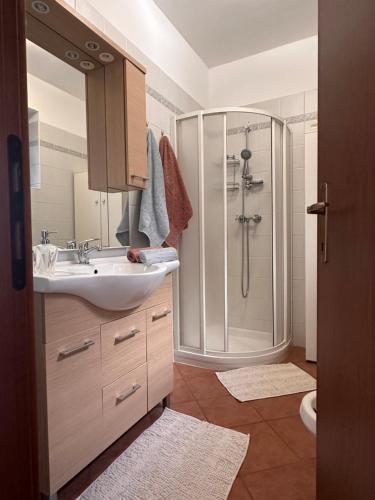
60,198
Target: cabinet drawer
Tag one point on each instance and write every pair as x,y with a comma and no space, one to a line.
74,405
124,403
123,346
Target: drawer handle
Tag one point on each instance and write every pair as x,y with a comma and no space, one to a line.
140,177
121,338
157,316
75,350
125,395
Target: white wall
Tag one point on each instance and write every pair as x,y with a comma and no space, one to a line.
282,71
56,107
144,24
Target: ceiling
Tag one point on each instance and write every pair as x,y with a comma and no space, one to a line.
221,31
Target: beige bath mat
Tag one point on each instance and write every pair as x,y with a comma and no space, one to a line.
266,381
178,458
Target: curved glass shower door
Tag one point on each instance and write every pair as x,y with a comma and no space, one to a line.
234,275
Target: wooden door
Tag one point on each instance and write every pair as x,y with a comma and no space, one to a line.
346,284
18,454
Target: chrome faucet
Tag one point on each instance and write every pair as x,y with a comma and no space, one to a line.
71,245
44,236
84,250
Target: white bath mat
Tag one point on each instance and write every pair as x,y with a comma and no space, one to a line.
266,381
178,458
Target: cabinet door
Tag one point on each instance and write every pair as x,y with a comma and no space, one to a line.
115,125
87,209
135,122
96,130
159,353
74,404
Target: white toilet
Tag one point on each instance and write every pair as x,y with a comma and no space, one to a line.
308,411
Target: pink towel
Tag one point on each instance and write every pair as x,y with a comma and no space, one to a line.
133,253
178,203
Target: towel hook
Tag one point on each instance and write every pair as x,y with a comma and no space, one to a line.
162,133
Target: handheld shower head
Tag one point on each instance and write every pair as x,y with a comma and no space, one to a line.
246,154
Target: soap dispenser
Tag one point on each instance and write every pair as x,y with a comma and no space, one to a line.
45,254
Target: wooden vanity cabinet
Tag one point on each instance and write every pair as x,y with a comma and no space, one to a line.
99,372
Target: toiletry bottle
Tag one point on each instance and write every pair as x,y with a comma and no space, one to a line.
45,254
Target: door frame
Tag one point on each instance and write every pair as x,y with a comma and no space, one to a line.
18,422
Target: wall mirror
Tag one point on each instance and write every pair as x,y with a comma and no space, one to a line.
61,200
87,119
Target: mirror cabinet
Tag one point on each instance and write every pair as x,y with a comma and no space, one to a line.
115,94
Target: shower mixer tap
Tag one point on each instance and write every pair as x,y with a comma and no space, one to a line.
250,182
242,219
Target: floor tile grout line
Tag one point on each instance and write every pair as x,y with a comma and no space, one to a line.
284,441
274,467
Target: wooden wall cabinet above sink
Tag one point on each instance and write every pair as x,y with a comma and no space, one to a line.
115,94
116,127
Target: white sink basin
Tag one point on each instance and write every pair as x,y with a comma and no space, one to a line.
112,284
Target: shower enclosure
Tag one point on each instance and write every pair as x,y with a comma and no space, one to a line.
232,298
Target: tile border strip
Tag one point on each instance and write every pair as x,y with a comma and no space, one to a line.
62,149
290,120
163,100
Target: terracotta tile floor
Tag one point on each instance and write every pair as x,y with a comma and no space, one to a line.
280,463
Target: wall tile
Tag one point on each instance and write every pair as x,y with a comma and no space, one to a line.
298,311
91,14
298,288
298,156
298,224
299,178
298,249
271,105
299,201
311,101
298,131
115,35
292,105
298,265
299,334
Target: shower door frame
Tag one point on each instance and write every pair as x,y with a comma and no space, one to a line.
202,353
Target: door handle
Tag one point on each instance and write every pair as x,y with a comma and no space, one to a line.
321,208
163,314
317,208
66,353
131,334
121,397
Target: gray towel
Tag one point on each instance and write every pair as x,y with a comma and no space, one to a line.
153,217
153,256
122,233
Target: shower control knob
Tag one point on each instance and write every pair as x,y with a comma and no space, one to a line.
256,218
